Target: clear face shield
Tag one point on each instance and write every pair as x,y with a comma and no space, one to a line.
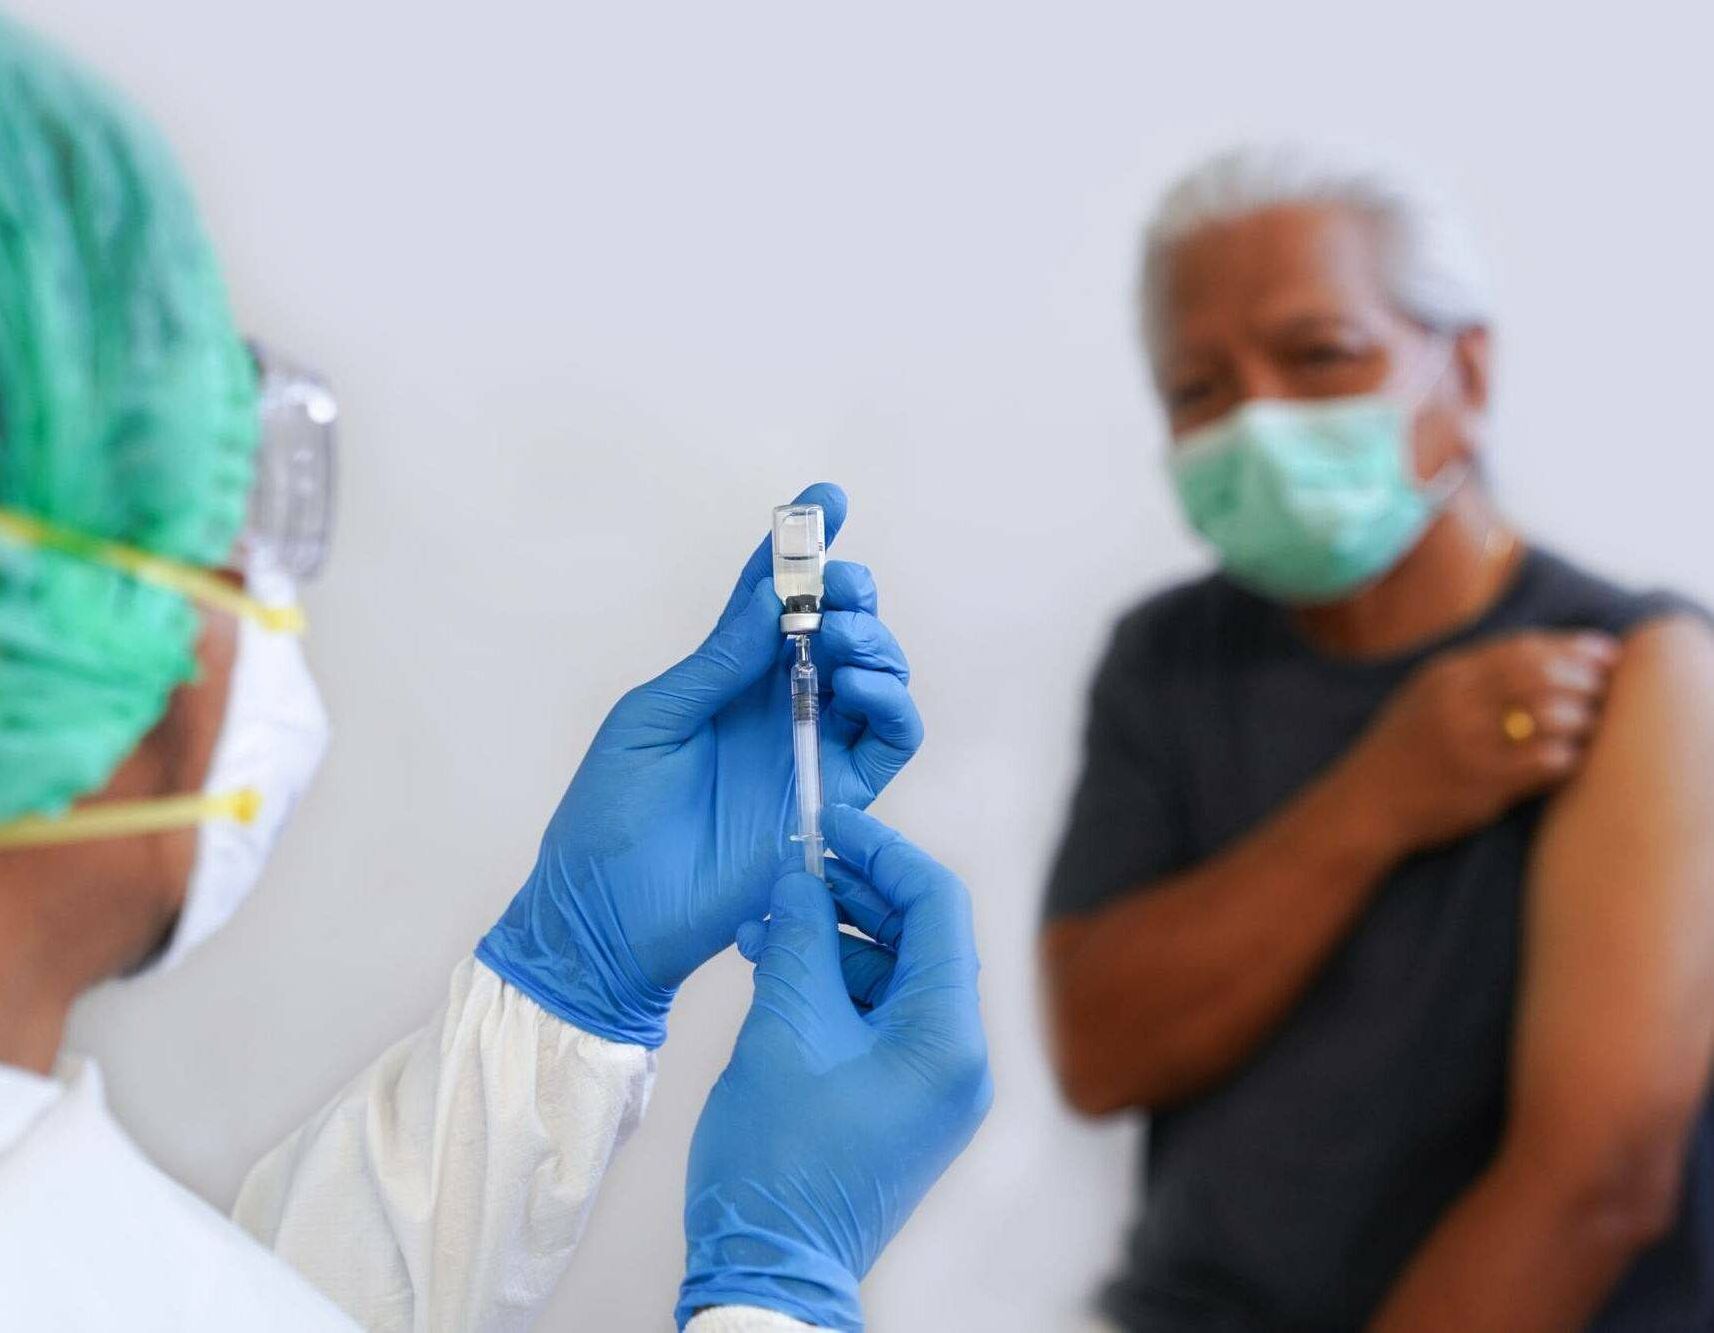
290,523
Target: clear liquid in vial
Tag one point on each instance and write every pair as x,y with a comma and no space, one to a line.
797,576
800,547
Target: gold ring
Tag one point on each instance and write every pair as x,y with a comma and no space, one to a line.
1518,724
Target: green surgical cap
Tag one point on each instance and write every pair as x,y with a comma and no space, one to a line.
127,411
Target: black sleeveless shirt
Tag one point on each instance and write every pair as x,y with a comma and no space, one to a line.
1291,1195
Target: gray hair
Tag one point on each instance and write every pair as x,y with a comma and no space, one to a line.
1434,269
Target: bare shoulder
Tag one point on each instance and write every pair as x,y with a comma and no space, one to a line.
1649,771
1673,651
1663,685
1666,662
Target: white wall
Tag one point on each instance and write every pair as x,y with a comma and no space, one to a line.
568,261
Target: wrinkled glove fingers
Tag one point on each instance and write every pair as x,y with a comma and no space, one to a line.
859,639
849,586
679,701
936,938
868,969
860,905
874,720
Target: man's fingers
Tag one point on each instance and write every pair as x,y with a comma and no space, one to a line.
1585,645
1594,646
1578,662
1550,759
1565,715
1567,671
1559,681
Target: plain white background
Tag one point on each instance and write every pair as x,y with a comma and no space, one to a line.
599,285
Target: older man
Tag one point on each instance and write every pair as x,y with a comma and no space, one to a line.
1388,889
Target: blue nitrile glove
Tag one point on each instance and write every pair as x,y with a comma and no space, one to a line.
671,831
860,1073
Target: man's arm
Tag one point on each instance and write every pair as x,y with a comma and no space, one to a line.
1615,1024
1155,997
1159,996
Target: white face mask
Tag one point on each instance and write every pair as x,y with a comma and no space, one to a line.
272,741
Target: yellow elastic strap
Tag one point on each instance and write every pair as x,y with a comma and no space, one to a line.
121,819
199,585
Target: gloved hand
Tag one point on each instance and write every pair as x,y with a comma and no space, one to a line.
671,830
860,1073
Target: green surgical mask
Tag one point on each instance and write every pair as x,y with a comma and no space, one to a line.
1307,501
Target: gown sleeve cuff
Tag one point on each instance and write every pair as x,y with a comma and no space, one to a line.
746,1319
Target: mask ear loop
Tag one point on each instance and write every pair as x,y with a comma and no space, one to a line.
1447,482
195,584
123,819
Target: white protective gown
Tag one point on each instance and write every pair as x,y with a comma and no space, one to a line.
93,1236
444,1189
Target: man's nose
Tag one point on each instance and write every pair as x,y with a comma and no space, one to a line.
1257,376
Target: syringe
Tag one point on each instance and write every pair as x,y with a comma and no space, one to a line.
799,557
806,755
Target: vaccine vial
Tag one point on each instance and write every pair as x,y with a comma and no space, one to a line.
800,556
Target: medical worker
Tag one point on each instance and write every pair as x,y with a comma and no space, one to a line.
162,489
